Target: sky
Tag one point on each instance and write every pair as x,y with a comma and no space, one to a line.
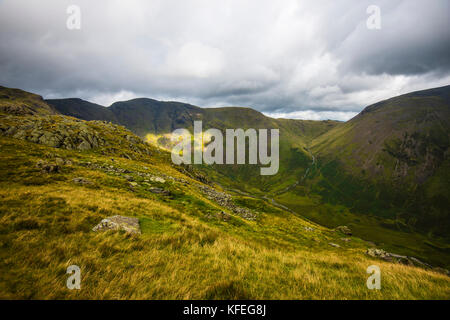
292,59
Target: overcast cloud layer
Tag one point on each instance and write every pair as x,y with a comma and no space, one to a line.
298,59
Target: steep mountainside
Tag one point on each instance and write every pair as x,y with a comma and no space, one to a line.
404,139
60,176
391,160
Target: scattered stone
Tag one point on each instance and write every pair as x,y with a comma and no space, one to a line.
346,239
344,229
84,145
159,191
392,257
334,245
82,181
47,167
417,262
157,179
378,253
309,229
223,216
128,177
59,161
128,224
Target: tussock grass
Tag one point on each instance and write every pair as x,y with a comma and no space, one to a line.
181,254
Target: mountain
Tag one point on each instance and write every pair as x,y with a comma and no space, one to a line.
390,161
385,173
155,121
148,116
82,109
404,139
19,102
61,176
332,173
394,157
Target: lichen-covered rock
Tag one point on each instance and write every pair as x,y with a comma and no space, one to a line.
128,224
67,133
157,179
48,167
378,253
344,229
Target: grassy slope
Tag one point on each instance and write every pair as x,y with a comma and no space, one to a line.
46,224
387,197
348,155
184,251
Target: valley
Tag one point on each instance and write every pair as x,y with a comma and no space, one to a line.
319,162
219,232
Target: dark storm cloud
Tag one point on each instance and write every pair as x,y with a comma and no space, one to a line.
287,58
414,39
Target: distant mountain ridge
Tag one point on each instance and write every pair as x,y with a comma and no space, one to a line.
155,120
144,115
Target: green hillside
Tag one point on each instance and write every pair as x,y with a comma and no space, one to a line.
386,169
394,158
155,120
60,176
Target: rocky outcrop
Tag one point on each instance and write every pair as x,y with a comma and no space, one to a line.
411,261
189,171
128,224
73,134
226,201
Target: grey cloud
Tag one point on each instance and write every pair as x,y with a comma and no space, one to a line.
286,58
414,39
